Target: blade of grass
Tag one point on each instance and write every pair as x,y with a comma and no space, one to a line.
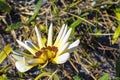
74,25
55,10
5,68
52,76
36,11
6,51
80,18
104,77
42,75
14,26
77,77
4,6
116,34
117,31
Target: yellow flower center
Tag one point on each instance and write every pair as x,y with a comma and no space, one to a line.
46,53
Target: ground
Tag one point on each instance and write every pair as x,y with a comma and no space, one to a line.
94,23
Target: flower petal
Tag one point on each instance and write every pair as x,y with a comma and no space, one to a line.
65,39
33,51
21,66
39,38
49,42
62,37
61,59
16,52
31,45
73,45
59,35
62,49
17,56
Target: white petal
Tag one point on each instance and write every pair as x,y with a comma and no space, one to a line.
73,45
62,49
31,45
17,57
61,59
21,66
59,35
39,37
62,36
17,52
65,39
49,41
27,47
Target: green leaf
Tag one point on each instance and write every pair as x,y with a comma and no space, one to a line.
74,25
116,34
118,67
14,26
4,6
6,51
104,77
36,11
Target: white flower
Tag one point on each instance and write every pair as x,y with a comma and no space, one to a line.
57,52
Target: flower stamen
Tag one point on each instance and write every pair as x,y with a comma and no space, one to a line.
37,54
